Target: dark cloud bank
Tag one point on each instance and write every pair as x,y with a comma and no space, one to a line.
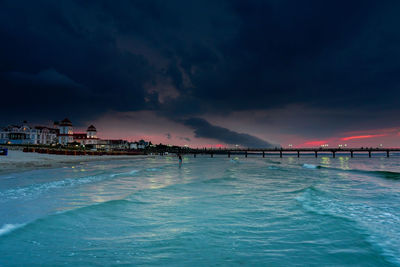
184,59
204,129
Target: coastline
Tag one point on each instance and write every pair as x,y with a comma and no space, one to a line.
18,161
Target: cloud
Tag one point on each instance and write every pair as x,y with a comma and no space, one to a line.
362,136
47,77
203,129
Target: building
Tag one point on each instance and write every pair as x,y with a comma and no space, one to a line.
62,133
27,135
66,134
139,145
114,144
88,138
47,136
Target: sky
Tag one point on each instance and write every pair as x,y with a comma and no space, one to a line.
206,73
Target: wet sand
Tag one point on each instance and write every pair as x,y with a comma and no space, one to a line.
18,161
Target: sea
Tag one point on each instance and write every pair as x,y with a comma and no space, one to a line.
220,211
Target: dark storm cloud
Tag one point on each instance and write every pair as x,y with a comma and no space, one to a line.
188,58
204,129
48,77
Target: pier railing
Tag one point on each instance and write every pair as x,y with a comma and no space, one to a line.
280,151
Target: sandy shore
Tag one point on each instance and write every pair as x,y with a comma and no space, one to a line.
18,161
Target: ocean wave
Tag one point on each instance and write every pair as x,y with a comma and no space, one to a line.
153,169
391,175
7,228
132,172
273,161
219,180
305,189
311,166
383,174
110,205
36,189
273,168
381,225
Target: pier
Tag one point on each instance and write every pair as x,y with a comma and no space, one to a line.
263,152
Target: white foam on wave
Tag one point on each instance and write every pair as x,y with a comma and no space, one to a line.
7,228
152,169
310,166
382,224
124,173
36,189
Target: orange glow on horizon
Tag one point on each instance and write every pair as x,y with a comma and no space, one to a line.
361,136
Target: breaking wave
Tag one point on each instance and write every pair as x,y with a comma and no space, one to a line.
381,224
383,174
7,228
36,189
311,166
132,172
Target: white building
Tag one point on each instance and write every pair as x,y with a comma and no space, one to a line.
66,134
88,138
139,145
25,134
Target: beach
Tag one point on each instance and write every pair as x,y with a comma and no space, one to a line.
18,161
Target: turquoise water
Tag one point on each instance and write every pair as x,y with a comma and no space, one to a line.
212,211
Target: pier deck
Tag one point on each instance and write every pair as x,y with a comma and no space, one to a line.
282,151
